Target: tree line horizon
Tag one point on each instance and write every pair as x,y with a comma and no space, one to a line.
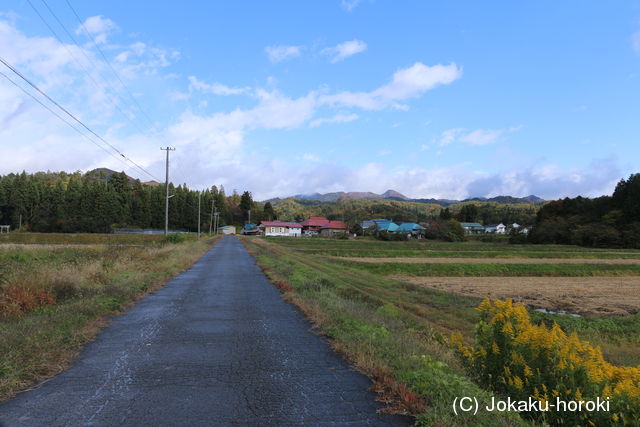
98,202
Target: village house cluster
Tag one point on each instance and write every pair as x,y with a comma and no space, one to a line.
312,226
477,228
324,227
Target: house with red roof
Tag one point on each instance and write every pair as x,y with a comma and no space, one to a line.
312,225
333,228
280,228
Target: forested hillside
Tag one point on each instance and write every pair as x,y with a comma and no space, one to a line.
607,221
355,210
100,200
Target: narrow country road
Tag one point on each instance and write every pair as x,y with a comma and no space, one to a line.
216,346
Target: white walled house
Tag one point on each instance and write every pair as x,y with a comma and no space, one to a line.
496,228
279,228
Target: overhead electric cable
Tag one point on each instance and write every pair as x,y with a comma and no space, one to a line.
33,85
61,118
95,83
104,57
117,75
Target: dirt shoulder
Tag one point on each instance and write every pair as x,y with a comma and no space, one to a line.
599,296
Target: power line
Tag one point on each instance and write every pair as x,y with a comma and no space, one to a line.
104,57
87,57
117,75
94,65
33,85
62,118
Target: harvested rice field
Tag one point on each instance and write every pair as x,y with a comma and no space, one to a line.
586,296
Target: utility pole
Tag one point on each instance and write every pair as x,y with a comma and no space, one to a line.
211,215
166,186
249,216
199,194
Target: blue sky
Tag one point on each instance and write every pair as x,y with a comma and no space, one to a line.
432,99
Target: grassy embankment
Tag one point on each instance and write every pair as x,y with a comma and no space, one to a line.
384,324
53,299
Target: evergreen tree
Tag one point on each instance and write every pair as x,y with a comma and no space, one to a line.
267,212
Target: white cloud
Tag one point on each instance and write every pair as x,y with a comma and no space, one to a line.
40,141
345,50
450,135
475,137
282,178
482,136
99,28
206,143
406,83
551,181
338,118
278,53
635,42
349,5
217,148
214,88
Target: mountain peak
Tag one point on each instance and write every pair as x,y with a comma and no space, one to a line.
393,194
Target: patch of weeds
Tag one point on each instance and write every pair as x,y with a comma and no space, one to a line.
175,238
110,303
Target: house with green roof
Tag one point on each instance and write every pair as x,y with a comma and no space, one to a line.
472,227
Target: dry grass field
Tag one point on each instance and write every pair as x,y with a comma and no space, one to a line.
586,296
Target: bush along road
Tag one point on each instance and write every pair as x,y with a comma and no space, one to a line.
216,346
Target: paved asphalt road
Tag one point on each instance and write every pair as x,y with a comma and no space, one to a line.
216,346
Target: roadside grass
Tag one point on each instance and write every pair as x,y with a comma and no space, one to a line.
489,269
395,332
54,300
79,238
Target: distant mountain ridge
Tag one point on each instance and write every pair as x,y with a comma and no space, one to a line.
395,195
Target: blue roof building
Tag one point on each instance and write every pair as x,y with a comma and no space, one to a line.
372,223
388,226
409,227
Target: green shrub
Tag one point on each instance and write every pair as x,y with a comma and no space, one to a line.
175,238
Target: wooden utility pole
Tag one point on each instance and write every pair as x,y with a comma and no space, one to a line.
166,187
